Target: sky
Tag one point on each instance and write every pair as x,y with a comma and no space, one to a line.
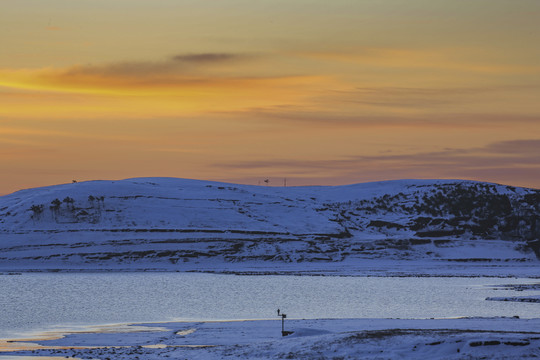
315,92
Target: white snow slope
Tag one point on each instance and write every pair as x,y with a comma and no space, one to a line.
383,228
468,338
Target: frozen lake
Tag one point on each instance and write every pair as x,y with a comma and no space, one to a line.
41,301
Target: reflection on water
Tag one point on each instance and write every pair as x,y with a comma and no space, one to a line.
37,302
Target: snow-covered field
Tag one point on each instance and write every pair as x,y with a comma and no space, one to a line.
450,227
393,228
469,338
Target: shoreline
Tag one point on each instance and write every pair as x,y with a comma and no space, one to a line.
412,337
366,268
326,338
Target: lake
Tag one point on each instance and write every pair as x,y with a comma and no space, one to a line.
39,301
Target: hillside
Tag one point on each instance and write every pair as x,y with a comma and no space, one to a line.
189,225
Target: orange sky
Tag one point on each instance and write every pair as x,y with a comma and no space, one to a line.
318,92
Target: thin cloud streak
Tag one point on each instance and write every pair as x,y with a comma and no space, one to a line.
177,64
176,71
211,58
516,147
507,153
502,160
410,97
267,90
336,117
434,58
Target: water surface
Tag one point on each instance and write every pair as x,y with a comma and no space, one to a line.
40,301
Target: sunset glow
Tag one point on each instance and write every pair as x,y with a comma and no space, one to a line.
316,92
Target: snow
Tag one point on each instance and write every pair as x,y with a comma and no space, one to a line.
494,338
167,224
519,287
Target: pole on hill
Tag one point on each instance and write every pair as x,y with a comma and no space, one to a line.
283,316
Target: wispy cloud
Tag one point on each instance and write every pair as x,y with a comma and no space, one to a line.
177,64
512,148
211,58
327,115
175,86
123,69
505,153
181,72
465,60
501,161
415,97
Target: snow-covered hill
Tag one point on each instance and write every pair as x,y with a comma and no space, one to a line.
185,225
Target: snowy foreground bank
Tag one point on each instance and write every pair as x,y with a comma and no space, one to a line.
493,338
